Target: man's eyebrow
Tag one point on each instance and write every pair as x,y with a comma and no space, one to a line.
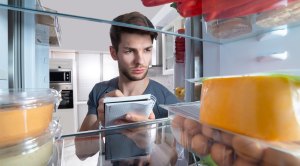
130,48
149,47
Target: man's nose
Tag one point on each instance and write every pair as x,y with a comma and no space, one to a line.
139,57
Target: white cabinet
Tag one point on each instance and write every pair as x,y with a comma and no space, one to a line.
82,111
110,67
89,73
67,119
92,68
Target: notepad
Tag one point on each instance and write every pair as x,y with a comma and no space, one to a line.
117,107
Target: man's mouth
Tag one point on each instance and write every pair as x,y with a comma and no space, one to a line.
138,70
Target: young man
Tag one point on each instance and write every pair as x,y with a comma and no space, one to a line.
132,49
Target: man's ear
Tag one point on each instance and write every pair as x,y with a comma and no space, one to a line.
113,53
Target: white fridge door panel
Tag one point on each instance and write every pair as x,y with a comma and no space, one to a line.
253,55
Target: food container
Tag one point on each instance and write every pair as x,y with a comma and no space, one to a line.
36,151
243,120
282,16
223,148
25,114
262,106
230,28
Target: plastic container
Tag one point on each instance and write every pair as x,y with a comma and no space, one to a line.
25,114
215,146
230,28
245,8
262,106
34,152
282,16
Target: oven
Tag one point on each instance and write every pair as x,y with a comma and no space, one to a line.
66,91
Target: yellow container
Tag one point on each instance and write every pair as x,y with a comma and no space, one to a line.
37,151
25,114
265,107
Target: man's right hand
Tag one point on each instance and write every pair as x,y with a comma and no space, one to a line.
100,109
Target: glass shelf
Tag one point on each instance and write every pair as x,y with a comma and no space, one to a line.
96,20
213,30
149,142
255,31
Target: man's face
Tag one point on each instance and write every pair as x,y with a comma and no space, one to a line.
134,55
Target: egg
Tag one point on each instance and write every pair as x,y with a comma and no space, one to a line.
211,133
177,121
207,131
226,138
200,144
248,149
192,127
221,154
277,158
241,162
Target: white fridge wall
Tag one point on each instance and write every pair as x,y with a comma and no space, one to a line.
240,57
211,59
3,48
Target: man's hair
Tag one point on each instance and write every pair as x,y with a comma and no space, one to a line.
135,18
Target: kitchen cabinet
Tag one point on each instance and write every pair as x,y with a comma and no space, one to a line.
88,73
225,46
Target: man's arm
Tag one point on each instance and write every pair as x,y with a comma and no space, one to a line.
90,122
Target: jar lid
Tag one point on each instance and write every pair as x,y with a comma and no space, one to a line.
23,97
181,31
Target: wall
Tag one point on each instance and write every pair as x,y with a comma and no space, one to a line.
241,56
86,35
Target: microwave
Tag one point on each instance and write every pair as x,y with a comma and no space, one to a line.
60,76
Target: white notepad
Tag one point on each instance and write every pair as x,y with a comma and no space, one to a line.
117,107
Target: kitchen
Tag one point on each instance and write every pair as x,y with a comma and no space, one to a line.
81,53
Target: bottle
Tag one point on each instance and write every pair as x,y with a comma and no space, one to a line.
180,47
179,67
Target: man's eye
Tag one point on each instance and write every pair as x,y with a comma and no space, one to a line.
128,51
148,50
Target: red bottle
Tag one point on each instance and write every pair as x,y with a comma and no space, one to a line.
180,47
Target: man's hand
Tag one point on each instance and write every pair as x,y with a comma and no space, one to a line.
100,109
131,117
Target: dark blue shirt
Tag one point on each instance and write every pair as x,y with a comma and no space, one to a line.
162,94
